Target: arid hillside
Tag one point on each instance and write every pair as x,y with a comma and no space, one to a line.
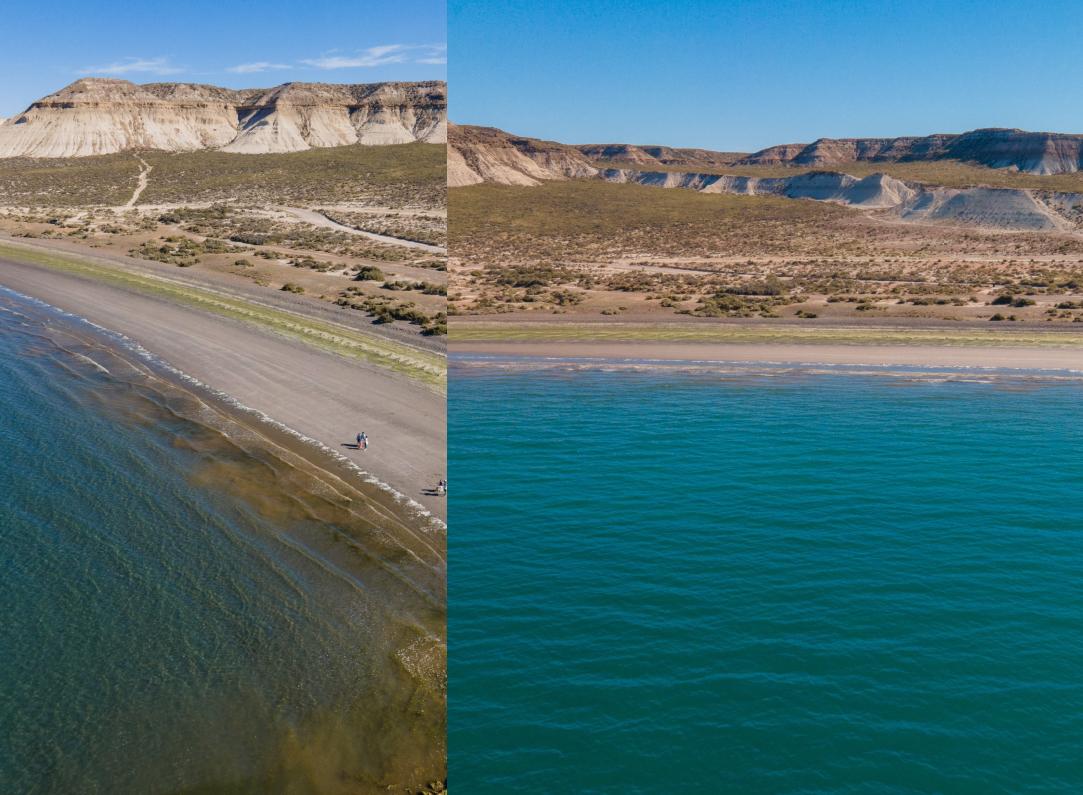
641,232
486,154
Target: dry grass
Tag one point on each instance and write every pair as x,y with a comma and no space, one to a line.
407,175
584,219
222,212
72,182
588,247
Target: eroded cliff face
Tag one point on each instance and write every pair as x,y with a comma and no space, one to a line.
1030,152
993,208
97,116
486,154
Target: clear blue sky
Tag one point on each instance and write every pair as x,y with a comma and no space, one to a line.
237,43
741,75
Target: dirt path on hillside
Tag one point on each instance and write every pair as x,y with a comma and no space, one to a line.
144,176
319,219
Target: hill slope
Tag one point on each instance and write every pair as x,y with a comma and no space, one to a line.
486,154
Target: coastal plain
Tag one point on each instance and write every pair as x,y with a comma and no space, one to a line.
956,235
244,281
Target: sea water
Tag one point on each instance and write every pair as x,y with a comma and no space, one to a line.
764,580
188,606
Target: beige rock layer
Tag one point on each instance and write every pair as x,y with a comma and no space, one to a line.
1031,152
97,116
485,154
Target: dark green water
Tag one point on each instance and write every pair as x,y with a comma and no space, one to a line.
186,607
726,582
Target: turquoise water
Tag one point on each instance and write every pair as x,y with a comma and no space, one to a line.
774,582
186,608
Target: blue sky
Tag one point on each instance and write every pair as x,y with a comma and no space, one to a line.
742,75
236,43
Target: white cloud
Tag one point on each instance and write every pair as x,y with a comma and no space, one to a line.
373,56
433,54
384,54
156,66
258,66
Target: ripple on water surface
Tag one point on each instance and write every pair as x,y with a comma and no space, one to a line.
742,579
194,603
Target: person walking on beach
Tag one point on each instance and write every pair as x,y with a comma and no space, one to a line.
362,441
441,488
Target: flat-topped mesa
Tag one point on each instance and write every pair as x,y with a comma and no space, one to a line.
1040,153
1032,152
95,116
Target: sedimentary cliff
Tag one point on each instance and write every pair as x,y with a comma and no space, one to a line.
485,154
1030,152
998,208
97,116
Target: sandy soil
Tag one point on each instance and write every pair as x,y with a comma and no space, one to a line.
1031,358
318,394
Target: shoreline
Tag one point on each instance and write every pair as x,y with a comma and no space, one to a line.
353,532
314,395
797,354
289,441
222,284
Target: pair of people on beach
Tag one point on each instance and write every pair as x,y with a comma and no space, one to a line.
441,488
362,441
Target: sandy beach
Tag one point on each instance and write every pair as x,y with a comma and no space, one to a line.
908,355
321,395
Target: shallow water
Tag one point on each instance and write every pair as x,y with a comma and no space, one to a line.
192,603
731,579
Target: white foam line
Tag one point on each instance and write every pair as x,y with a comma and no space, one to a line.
594,362
416,508
88,359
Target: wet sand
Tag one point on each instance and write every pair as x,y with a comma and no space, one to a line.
998,357
320,395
